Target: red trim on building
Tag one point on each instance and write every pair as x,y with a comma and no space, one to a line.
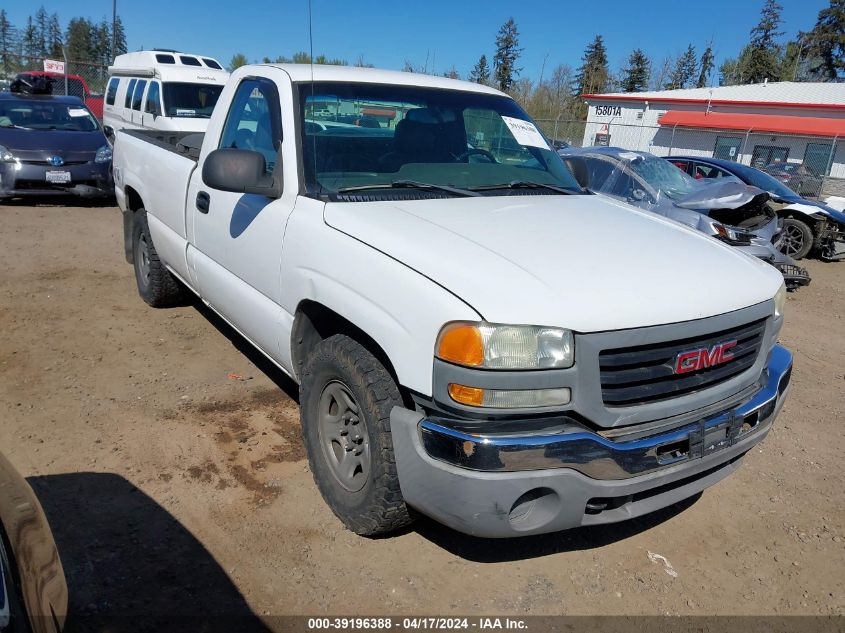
379,112
771,104
781,124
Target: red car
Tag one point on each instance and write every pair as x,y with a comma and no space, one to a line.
76,86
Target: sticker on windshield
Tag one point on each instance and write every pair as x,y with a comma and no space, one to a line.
185,112
525,132
77,112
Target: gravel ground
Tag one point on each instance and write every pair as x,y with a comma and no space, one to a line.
168,457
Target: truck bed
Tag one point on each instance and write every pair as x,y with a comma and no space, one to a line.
187,144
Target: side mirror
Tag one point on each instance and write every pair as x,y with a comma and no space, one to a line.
108,130
239,171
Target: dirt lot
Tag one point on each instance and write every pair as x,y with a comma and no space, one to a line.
168,458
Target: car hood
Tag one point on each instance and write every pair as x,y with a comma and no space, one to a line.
812,206
581,262
51,141
722,194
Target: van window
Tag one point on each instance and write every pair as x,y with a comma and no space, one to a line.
165,59
190,100
138,95
153,101
127,102
111,91
189,61
211,63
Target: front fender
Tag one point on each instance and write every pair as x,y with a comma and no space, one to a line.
400,309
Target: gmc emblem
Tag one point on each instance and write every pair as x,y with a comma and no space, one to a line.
703,358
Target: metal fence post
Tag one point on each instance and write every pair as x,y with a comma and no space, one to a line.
826,173
672,141
64,56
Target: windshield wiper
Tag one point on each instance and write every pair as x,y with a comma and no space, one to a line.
527,184
411,184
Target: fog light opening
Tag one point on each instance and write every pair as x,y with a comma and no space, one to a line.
534,509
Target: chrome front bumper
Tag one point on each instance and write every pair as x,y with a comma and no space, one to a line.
602,458
501,485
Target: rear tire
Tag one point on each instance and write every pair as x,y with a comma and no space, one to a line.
156,285
346,396
797,238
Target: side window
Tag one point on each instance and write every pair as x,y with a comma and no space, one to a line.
700,170
138,95
111,91
680,164
152,103
127,102
254,122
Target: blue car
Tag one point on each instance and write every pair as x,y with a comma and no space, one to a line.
807,224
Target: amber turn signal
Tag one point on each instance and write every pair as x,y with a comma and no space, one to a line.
472,396
461,343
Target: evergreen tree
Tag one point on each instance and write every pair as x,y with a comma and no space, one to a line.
30,41
684,73
593,74
54,37
118,38
7,35
101,44
826,42
763,56
480,73
78,40
636,74
452,73
42,26
705,68
507,52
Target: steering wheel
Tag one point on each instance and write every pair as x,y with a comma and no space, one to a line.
473,151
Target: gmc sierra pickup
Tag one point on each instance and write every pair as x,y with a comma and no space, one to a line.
474,336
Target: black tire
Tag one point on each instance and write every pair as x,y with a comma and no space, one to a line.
19,621
156,285
340,364
797,238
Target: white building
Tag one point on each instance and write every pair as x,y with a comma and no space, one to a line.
755,124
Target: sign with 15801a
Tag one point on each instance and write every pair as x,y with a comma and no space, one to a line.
608,110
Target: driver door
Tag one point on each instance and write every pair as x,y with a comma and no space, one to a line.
238,237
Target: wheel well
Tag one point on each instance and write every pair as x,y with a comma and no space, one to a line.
315,322
133,203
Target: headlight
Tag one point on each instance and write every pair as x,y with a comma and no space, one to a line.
729,234
491,346
780,301
103,154
6,156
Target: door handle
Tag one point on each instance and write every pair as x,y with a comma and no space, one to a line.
203,200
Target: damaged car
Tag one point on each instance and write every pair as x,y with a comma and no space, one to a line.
808,225
728,210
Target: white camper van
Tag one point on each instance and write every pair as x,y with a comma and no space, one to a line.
162,90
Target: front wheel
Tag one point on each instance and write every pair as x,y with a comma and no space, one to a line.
156,285
346,396
797,238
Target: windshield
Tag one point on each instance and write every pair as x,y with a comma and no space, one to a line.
371,136
190,100
764,181
662,175
46,115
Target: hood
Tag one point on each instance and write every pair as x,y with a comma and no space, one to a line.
721,194
581,262
51,142
811,206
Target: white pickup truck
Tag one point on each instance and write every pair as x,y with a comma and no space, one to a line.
475,337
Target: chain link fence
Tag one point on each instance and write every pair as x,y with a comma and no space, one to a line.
813,166
85,80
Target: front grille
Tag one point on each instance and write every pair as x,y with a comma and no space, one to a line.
643,374
67,163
